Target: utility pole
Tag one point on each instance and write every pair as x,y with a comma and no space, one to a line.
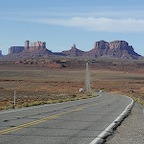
88,85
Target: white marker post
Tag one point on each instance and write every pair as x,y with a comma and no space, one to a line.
88,85
14,103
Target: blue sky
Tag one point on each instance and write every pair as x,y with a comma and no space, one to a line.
62,23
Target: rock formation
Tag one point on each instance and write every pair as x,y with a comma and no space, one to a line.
35,45
16,49
36,49
115,49
73,52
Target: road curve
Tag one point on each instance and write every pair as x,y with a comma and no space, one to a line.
77,122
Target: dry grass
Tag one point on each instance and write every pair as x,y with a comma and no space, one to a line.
121,82
36,86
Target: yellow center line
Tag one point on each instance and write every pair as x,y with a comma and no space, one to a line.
9,130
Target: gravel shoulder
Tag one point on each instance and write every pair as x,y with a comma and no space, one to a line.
131,131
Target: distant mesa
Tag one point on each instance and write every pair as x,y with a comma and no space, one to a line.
73,52
115,49
118,49
16,49
33,49
28,47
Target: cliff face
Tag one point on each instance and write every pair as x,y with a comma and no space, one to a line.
73,52
16,49
115,49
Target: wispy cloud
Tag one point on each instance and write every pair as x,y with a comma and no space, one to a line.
96,24
95,20
109,13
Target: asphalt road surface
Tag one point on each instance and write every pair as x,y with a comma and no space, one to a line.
77,122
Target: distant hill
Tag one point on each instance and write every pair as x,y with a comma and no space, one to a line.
116,49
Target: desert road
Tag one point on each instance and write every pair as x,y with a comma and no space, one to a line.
77,122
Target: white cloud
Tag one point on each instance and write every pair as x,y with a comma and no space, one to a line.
97,24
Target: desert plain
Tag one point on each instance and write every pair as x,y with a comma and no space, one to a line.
37,85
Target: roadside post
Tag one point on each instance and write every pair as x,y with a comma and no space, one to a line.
14,99
88,85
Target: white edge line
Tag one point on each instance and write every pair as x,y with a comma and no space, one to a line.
100,138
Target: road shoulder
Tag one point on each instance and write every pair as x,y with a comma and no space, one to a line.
132,128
